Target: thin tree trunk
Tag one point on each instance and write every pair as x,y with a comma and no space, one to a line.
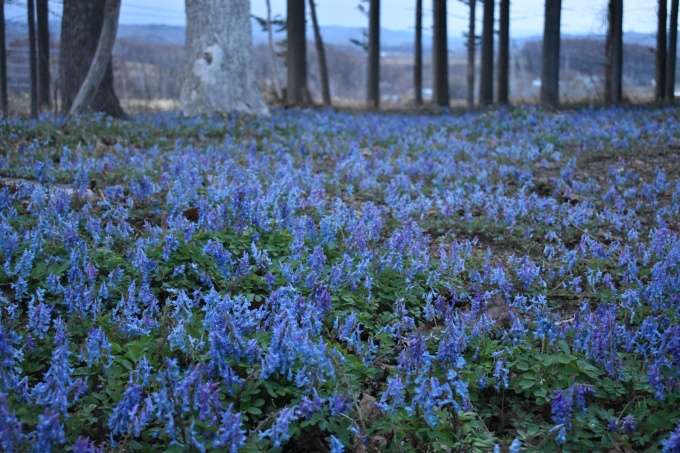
321,52
3,62
471,58
660,89
296,56
614,53
33,64
43,54
95,75
504,53
373,69
550,65
617,54
672,53
486,79
440,54
272,54
81,28
418,51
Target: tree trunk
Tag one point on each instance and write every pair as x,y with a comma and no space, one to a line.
43,54
373,70
672,53
218,65
550,67
504,53
440,54
3,62
418,52
471,57
82,22
321,53
614,49
272,54
660,89
486,79
32,55
101,57
296,55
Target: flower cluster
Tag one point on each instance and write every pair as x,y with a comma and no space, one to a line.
231,283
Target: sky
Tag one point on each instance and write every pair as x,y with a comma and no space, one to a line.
578,16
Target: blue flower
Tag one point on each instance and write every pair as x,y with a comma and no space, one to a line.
395,392
336,445
672,444
48,431
10,427
278,432
231,433
515,446
501,374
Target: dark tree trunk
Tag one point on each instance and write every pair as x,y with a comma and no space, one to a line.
296,55
32,55
486,77
3,62
440,54
43,54
550,67
418,51
102,55
660,90
80,30
321,53
672,53
471,58
504,53
373,69
614,61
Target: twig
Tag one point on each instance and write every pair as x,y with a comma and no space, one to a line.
581,229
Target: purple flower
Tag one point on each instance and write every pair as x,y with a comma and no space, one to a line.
613,425
628,424
339,404
85,445
582,391
562,407
309,406
208,401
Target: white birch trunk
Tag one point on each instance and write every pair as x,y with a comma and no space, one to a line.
218,66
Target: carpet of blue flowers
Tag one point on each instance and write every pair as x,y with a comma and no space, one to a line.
323,281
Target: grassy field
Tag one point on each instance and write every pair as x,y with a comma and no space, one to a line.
326,281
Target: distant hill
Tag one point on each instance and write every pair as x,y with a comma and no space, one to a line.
153,34
391,40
